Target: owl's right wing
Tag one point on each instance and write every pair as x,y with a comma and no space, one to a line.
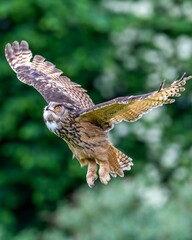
133,107
43,76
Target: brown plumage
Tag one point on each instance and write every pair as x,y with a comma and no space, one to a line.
71,114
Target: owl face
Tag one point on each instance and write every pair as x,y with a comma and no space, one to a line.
54,112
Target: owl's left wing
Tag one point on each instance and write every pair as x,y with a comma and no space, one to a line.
133,107
45,77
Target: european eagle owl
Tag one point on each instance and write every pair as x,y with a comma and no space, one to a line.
71,114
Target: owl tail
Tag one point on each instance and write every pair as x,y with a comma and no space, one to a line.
119,162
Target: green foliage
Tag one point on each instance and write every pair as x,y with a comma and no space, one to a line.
111,48
126,209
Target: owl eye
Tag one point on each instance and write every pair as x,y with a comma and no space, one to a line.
58,107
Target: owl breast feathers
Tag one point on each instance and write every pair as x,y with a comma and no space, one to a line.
71,114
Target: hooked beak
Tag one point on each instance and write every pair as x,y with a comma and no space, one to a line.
47,108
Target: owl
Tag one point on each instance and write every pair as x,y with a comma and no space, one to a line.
72,116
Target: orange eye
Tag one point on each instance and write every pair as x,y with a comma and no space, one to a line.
58,107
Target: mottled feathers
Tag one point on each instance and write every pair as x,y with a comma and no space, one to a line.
45,77
71,114
133,107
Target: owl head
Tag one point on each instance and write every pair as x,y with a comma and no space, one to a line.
56,111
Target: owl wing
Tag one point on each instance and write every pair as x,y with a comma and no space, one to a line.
133,107
43,76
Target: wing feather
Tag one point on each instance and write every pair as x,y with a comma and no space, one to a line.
133,107
45,77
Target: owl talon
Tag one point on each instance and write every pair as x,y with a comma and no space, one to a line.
105,179
91,173
91,181
104,172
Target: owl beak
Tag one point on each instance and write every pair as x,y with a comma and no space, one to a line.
47,108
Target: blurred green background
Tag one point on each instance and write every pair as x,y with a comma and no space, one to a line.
112,48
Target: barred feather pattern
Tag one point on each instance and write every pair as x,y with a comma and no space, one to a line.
119,162
45,77
133,107
71,114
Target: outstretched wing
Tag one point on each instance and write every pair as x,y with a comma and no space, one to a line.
133,107
43,76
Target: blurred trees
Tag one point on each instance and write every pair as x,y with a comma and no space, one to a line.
111,48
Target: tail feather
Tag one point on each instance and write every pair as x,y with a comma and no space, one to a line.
119,162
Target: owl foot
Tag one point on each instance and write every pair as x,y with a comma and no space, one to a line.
104,173
105,179
91,180
91,176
